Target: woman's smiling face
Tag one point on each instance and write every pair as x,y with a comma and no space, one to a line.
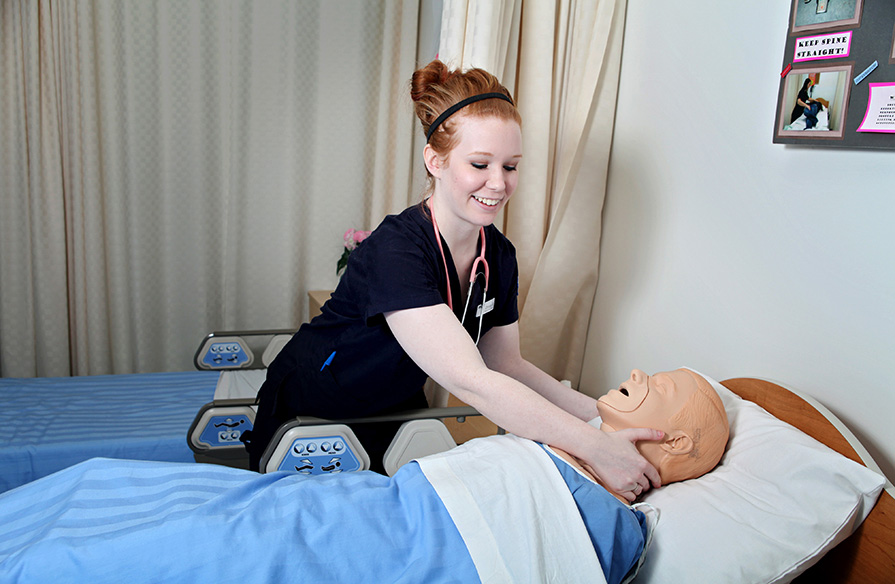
479,175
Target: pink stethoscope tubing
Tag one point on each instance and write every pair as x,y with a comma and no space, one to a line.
472,276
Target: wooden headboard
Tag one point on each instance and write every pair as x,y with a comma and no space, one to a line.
868,556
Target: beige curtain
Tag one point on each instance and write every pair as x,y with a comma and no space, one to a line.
172,168
481,33
33,284
395,130
566,55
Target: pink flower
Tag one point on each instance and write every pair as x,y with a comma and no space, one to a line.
352,239
350,244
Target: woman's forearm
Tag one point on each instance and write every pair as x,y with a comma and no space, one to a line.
576,403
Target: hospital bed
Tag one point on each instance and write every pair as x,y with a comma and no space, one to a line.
52,423
743,535
794,495
801,123
743,530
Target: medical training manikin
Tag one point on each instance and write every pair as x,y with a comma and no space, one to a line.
684,406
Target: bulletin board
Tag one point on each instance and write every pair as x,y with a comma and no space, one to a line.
837,80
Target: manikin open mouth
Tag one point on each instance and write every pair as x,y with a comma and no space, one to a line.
617,404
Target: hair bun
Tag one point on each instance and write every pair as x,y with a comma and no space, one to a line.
425,79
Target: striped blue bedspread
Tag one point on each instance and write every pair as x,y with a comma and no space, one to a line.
120,521
51,423
138,521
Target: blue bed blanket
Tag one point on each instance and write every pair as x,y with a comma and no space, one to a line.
128,521
52,423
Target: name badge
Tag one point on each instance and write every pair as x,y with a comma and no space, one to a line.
484,308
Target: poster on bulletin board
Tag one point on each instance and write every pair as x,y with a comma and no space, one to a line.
837,81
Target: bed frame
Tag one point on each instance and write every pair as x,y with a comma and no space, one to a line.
869,554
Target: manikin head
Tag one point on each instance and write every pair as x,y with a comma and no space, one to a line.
684,406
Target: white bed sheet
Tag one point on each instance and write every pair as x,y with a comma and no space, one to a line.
823,123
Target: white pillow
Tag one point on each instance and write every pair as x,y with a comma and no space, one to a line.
774,505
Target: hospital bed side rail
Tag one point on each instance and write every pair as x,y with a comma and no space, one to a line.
214,435
306,443
245,349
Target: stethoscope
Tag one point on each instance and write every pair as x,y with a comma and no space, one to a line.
473,275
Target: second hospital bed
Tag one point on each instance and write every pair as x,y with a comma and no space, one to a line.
52,423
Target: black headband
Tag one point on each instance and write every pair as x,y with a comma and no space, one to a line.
460,105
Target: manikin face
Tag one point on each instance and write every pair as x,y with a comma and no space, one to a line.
479,175
680,403
644,401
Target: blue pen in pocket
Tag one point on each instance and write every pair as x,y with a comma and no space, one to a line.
328,360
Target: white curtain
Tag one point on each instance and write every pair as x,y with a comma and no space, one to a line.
481,33
561,60
171,168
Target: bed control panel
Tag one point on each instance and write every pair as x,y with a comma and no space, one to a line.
225,430
222,427
222,350
316,450
224,353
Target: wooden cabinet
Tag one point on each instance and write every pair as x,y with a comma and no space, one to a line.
316,299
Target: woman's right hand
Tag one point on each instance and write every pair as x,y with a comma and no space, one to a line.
618,464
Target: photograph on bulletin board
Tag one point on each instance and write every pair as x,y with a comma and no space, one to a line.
814,102
808,15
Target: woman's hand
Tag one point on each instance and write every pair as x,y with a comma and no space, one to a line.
618,464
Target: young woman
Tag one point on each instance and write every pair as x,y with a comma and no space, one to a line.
432,293
802,101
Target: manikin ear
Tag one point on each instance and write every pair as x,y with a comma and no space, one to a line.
677,442
434,163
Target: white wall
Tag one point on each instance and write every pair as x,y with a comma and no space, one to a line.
730,254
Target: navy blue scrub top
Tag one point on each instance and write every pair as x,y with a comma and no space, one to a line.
350,362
